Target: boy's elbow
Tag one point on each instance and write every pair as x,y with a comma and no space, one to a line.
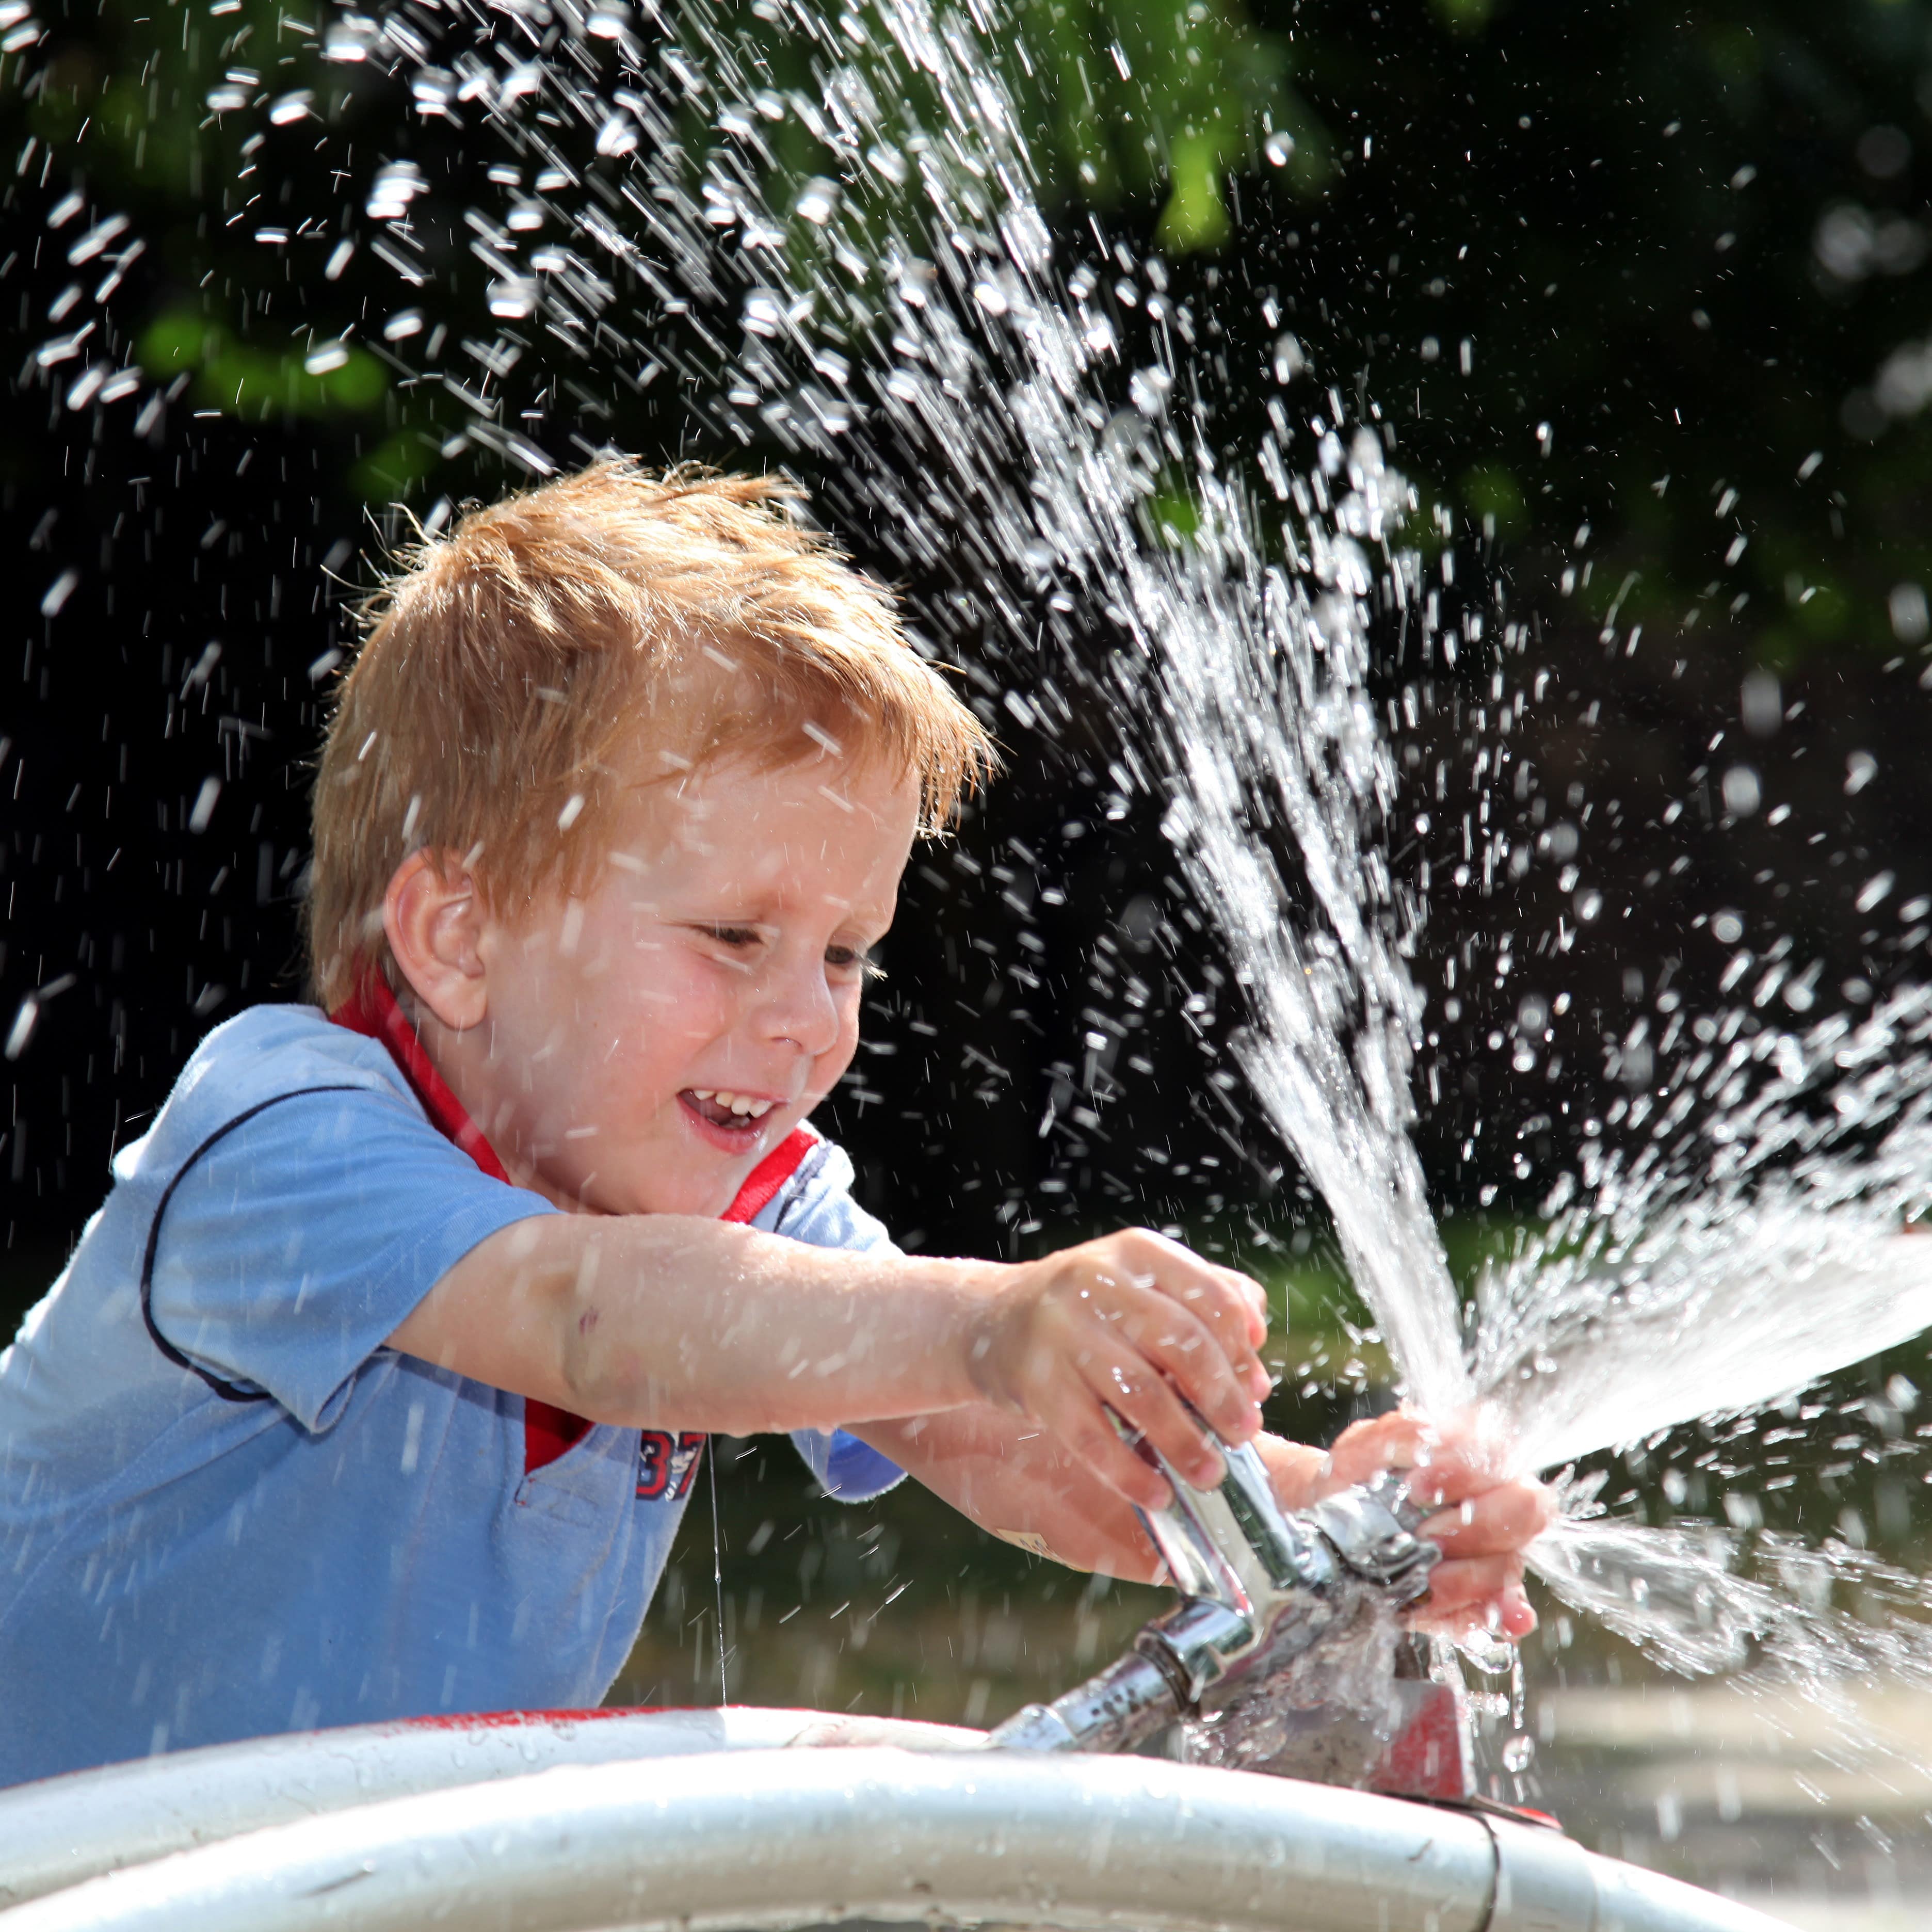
608,1390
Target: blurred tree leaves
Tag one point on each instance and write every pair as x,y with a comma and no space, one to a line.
1690,250
1679,254
1163,102
240,378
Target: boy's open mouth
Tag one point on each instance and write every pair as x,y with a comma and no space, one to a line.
735,1113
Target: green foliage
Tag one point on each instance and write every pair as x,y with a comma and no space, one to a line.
1464,16
1668,240
1172,516
1686,252
1195,216
395,468
1163,101
1494,499
241,380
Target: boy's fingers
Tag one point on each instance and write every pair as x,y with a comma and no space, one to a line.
1139,1394
1080,1423
1233,1305
1447,1476
1505,1611
1364,1450
1445,1463
1501,1519
1247,1300
1224,1392
1466,1582
1518,1615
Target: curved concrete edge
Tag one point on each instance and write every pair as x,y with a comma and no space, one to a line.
782,1838
62,1831
1629,1899
1546,1883
785,1838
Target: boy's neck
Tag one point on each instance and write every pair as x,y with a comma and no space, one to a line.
439,1077
374,1011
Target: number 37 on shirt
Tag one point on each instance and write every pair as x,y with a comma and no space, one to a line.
666,1463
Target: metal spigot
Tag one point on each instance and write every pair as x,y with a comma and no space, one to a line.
1259,1586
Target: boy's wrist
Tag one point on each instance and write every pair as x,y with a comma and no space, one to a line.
1295,1470
970,1293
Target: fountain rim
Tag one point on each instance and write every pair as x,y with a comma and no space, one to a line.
757,1833
60,1831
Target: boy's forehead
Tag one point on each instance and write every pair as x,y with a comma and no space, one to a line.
766,814
800,793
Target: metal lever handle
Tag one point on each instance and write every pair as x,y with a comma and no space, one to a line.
1234,1545
1229,1545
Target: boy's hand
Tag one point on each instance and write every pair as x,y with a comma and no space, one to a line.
1135,1323
1485,1517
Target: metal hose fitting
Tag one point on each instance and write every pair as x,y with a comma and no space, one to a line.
1255,1582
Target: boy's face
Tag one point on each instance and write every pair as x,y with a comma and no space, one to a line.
648,1044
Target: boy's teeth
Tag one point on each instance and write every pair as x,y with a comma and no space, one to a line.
742,1105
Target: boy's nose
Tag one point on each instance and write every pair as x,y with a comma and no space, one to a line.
798,1007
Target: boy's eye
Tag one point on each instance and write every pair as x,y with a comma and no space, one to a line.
733,936
851,959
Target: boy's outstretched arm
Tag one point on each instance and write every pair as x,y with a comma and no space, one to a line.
660,1319
1013,1479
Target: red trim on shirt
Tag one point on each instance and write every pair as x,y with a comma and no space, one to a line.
771,1173
373,1011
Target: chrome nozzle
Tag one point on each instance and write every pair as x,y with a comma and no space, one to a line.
1233,1549
1252,1579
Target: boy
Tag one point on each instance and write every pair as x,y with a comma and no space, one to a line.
377,1386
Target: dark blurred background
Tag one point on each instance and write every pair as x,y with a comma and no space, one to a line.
1638,294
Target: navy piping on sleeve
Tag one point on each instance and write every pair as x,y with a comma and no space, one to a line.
228,1391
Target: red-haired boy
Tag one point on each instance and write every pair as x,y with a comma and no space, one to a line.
377,1386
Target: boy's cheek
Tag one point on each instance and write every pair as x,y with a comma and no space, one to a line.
828,1069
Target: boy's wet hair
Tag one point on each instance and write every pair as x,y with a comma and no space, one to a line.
611,627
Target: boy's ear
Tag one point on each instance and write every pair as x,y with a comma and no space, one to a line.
433,919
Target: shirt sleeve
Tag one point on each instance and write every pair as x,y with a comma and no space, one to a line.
852,1471
820,1210
294,1242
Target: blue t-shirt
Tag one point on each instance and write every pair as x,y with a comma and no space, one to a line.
227,1509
